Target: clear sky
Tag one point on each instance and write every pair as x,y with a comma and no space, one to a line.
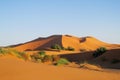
25,20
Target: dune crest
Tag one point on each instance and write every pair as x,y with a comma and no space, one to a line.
87,43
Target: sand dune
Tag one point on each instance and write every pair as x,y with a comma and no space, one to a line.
83,43
111,54
11,69
86,43
110,59
40,43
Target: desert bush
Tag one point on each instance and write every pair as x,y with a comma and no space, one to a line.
99,51
114,61
13,52
62,61
63,48
3,51
55,58
42,53
38,56
56,46
41,57
47,58
26,57
35,57
70,49
19,54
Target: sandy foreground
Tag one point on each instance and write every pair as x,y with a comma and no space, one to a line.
12,69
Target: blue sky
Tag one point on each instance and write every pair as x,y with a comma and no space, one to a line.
24,20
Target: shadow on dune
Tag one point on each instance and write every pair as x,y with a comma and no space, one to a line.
54,40
107,60
78,57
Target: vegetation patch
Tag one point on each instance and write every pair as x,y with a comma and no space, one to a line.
4,51
53,59
58,47
42,53
62,61
99,51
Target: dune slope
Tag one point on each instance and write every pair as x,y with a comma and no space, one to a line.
83,43
40,43
110,59
11,69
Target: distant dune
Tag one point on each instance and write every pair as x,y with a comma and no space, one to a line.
83,43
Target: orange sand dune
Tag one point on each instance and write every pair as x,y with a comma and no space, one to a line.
87,43
40,43
11,69
111,54
84,43
107,58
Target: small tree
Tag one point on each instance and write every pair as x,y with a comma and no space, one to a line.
99,51
56,46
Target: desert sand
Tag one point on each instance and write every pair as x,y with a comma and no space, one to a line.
12,69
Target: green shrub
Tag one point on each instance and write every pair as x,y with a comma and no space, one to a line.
41,57
47,58
35,57
3,51
42,53
55,58
62,61
19,54
63,48
13,52
99,51
56,46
